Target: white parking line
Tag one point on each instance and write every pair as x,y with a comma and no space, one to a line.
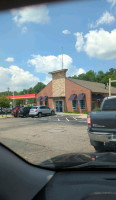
67,119
74,118
58,119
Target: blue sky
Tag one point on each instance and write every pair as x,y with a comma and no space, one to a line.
31,41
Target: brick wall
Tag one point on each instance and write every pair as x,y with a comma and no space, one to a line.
72,88
47,91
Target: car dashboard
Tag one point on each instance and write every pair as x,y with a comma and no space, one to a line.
21,180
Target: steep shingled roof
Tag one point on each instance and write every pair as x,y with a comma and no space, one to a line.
93,86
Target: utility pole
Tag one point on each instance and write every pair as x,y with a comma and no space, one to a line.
62,57
13,99
8,92
110,81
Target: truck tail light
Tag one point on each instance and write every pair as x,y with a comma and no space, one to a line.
22,111
89,120
35,110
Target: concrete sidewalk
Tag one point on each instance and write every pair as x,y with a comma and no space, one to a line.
83,116
4,116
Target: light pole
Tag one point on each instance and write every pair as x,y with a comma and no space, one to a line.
110,81
13,99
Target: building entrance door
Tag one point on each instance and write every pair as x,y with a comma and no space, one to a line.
58,106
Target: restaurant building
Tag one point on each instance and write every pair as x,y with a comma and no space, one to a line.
68,94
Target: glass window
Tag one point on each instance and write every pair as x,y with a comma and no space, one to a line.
46,103
74,104
109,104
82,104
93,104
41,103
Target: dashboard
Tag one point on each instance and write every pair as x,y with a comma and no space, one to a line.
21,180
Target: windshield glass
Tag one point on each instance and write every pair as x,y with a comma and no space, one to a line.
62,58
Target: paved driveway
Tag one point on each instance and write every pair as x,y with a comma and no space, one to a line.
38,139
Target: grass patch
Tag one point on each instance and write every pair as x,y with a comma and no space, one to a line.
75,112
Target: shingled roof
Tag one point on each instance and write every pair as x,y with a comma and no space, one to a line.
93,86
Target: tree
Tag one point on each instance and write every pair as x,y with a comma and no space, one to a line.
38,87
4,102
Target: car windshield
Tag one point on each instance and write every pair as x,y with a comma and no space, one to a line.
61,58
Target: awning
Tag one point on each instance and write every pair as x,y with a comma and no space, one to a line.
72,97
44,98
80,96
99,96
39,98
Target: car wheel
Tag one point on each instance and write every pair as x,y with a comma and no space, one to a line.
52,113
39,115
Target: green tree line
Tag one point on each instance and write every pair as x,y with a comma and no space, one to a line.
99,77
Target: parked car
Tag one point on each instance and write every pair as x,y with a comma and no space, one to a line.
102,125
24,111
40,110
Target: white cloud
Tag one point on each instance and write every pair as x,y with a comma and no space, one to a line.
113,2
24,29
66,32
106,18
80,71
9,59
33,14
47,80
100,44
16,79
80,41
45,64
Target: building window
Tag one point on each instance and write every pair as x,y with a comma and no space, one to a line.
46,103
93,104
74,104
41,103
98,103
82,104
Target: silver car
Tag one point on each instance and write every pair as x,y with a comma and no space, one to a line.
40,110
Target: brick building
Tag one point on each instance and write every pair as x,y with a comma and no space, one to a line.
67,94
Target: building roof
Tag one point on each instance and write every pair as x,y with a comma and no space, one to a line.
93,86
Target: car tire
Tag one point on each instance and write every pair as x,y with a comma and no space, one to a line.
52,113
39,115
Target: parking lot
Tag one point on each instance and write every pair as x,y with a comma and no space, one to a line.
38,139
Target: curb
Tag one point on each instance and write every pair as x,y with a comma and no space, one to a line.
83,116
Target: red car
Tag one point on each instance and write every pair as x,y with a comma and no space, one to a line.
15,111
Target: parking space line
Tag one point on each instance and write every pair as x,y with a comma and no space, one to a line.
67,119
74,118
58,119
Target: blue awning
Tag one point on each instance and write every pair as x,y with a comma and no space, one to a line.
72,97
80,96
39,98
44,98
98,96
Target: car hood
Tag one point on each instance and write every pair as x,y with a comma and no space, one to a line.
76,159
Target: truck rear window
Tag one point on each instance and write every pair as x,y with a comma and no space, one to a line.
109,104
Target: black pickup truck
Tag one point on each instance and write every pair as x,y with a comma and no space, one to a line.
102,126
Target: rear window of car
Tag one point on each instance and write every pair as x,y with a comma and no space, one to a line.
35,107
109,105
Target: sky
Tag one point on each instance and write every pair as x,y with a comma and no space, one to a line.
32,40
